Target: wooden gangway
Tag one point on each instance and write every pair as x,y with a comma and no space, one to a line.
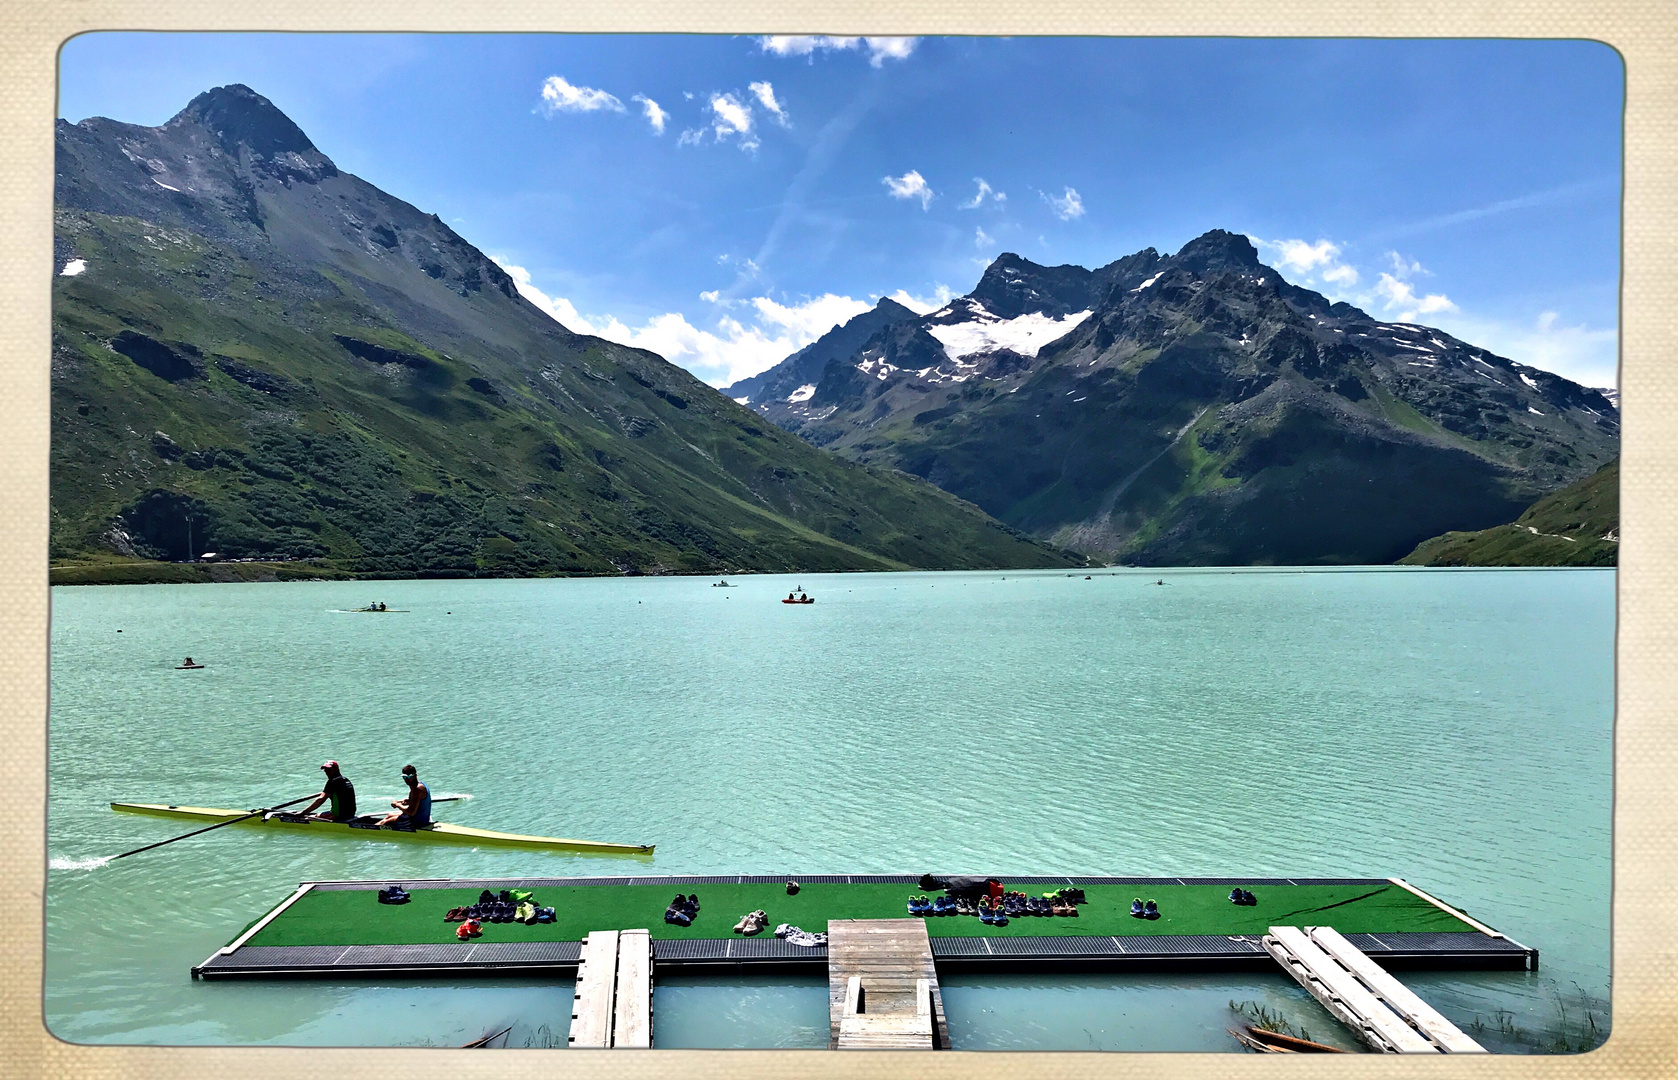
1362,995
883,987
612,1003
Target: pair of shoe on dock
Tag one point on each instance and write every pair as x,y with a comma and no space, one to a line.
1141,910
752,923
682,910
1242,897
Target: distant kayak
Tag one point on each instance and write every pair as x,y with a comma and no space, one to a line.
723,585
799,599
188,666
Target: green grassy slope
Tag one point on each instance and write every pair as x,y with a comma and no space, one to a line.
1577,526
338,378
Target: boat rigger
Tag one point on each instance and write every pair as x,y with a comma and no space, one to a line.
436,833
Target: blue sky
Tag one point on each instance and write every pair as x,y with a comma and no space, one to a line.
725,200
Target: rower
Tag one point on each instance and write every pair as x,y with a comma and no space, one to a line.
339,790
415,810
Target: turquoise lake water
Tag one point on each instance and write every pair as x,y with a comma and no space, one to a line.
1450,727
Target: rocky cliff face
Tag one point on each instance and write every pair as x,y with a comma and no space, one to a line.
1198,408
257,353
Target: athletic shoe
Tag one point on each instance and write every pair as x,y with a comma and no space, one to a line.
1236,896
792,888
999,919
525,913
986,917
677,916
456,914
486,897
545,915
1137,911
1151,909
1248,898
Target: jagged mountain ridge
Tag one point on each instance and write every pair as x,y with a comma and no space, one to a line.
1200,408
803,369
256,352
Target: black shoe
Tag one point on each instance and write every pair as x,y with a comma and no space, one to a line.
1236,896
1248,898
486,897
504,896
792,888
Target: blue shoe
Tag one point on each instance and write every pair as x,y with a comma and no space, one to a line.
1150,910
1137,911
999,919
1248,898
986,917
1236,896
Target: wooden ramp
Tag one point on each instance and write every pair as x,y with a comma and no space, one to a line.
612,1005
882,986
1362,995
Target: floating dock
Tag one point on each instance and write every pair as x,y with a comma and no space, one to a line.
337,929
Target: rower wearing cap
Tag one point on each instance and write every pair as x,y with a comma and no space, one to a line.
414,811
339,790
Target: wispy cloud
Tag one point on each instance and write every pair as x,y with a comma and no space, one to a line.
735,349
879,49
765,95
982,239
560,96
1547,197
655,115
911,185
1587,355
1305,262
922,305
690,137
731,116
984,192
1400,296
1066,206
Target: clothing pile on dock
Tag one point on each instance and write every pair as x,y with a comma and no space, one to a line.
752,923
792,935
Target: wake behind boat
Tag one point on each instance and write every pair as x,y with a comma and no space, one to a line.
367,828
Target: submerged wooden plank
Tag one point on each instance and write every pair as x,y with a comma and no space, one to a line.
632,1024
591,1004
1400,998
1341,994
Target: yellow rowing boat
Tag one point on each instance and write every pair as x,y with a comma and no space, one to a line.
435,833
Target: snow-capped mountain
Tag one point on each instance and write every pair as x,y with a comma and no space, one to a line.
1198,407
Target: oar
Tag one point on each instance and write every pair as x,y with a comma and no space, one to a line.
217,825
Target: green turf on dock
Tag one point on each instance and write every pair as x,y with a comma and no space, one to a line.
355,917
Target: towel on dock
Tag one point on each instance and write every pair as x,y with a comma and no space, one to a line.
795,936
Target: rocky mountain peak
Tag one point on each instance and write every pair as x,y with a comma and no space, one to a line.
239,116
1218,250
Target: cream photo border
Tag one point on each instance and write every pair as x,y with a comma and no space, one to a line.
1644,1039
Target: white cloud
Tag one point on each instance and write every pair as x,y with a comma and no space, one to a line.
982,239
1396,294
710,296
921,305
1587,355
982,194
765,95
911,185
731,352
560,96
690,137
1403,267
655,115
880,49
732,117
1067,206
1307,262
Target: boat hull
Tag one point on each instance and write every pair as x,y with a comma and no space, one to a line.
437,833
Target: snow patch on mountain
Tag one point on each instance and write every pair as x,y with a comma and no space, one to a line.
985,332
803,393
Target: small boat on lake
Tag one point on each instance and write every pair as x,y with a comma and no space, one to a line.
189,665
723,584
798,597
366,829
